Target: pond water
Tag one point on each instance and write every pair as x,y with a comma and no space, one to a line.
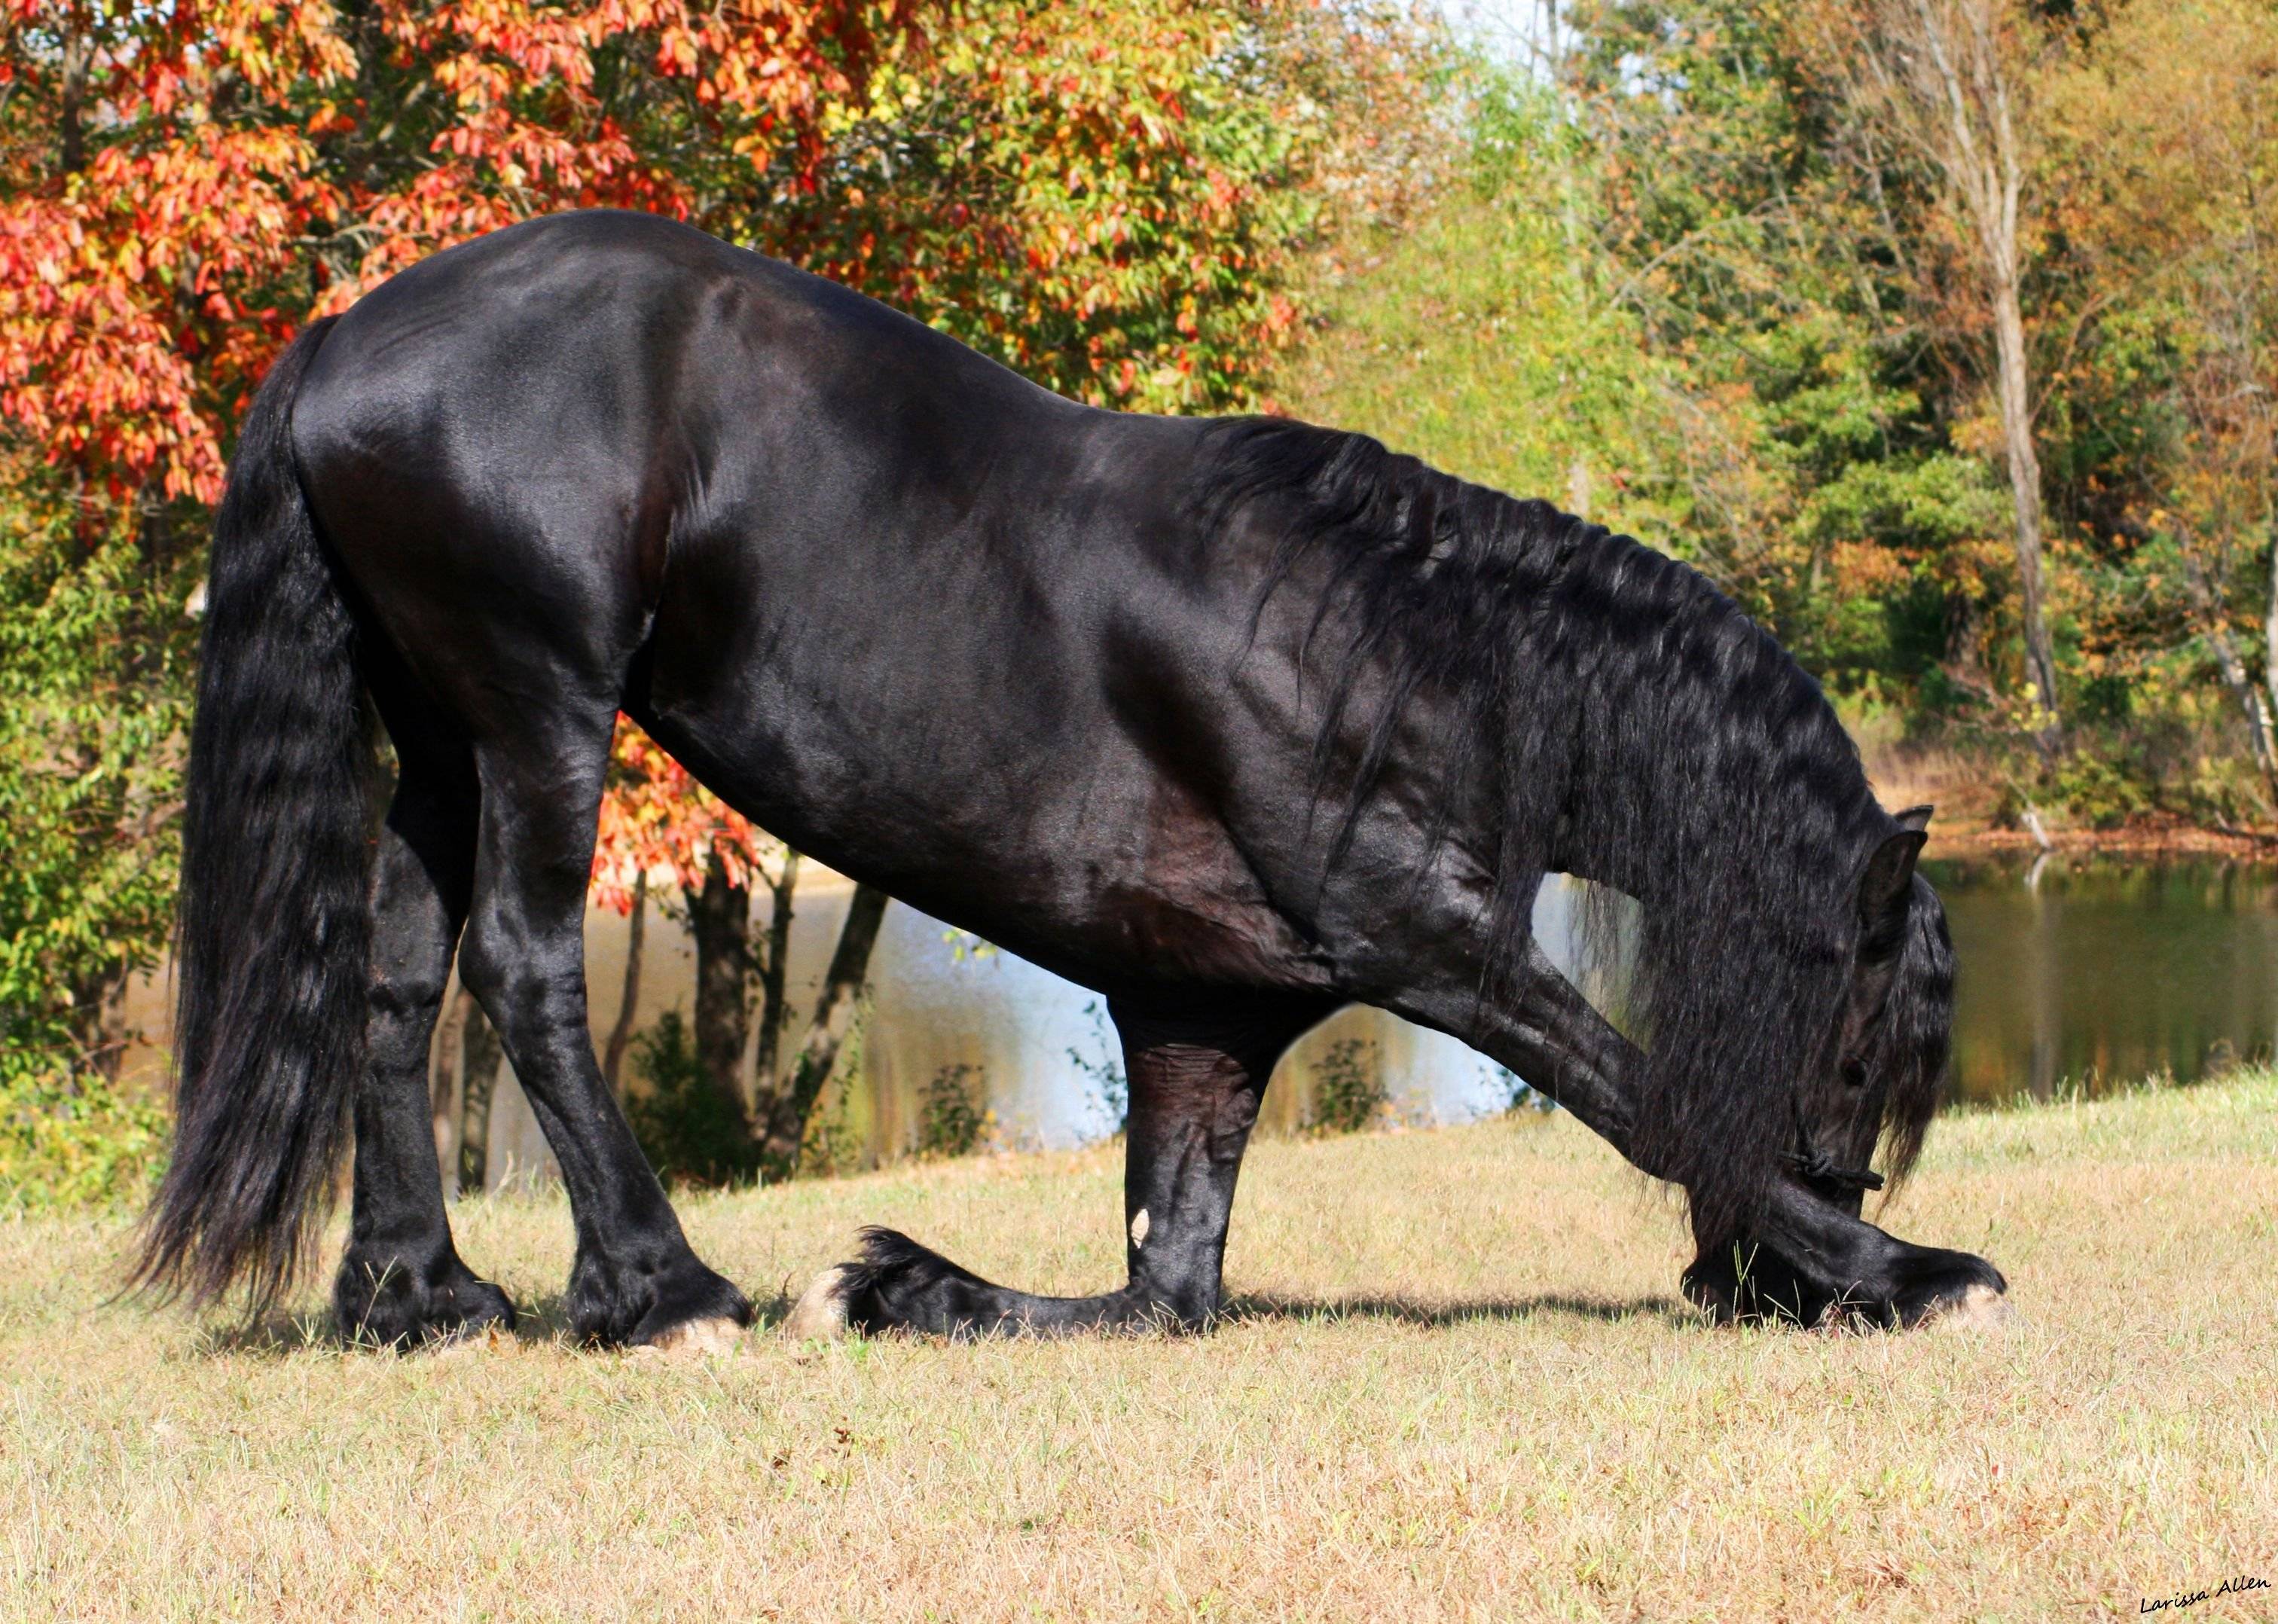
2074,973
2091,974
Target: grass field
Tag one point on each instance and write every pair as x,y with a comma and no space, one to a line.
1459,1386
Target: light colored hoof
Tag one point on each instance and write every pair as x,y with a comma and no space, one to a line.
1981,1308
695,1338
491,1338
820,1314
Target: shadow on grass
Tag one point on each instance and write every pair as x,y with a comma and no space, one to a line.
543,1321
1440,1315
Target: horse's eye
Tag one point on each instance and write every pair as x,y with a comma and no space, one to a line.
1854,1072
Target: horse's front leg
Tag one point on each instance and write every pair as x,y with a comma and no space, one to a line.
1197,1077
1810,1258
1812,1253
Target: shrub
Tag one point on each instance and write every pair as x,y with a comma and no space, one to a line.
71,1137
2098,791
1347,1088
690,1134
953,1121
1109,1086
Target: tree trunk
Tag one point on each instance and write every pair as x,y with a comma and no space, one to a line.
111,1035
720,919
2270,618
1946,62
775,1008
79,56
2234,676
2025,494
449,1069
621,1033
790,1095
479,1068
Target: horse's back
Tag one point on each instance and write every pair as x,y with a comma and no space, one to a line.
540,428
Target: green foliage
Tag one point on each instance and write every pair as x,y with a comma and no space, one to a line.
72,1138
833,1146
1347,1088
834,1143
1110,1087
689,1133
93,646
2098,791
1476,337
953,1118
1520,1096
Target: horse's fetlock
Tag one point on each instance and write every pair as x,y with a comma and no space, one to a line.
383,1299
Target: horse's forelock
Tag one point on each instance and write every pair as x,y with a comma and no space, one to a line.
1906,1057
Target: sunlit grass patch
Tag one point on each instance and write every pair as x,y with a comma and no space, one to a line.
1456,1381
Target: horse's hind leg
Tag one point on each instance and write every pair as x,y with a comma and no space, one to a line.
402,1281
1196,1078
635,1280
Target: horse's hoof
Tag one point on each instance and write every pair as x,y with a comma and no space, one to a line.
820,1314
649,1305
694,1338
1979,1308
391,1304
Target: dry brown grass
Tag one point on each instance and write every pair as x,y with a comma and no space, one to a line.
1462,1390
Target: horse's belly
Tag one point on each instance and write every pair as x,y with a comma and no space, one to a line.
1075,853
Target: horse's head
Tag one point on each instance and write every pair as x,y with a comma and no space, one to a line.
1887,1054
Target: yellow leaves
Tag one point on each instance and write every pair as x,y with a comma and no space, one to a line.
1866,569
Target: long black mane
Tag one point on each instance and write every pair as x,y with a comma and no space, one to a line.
1637,729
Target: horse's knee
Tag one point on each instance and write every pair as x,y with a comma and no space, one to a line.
512,982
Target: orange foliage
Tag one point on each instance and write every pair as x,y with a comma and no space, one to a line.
240,167
1099,193
655,816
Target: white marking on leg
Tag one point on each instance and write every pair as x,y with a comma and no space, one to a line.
1139,1228
1981,1308
694,1338
820,1314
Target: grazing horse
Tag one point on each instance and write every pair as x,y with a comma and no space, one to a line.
1235,722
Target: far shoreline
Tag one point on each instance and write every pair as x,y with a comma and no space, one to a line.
2142,841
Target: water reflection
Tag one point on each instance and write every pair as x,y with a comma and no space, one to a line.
2096,974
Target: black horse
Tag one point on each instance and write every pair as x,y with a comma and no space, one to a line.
1235,721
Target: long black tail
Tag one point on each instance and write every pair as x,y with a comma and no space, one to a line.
274,934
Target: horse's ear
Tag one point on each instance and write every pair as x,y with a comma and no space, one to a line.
1916,818
1887,885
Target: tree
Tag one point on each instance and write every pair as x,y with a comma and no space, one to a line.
1796,406
656,817
1947,80
92,642
2171,218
